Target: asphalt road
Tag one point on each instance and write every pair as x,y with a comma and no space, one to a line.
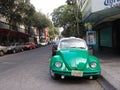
29,70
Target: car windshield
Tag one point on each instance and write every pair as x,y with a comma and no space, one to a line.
73,43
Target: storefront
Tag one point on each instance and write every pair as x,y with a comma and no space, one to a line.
104,16
8,35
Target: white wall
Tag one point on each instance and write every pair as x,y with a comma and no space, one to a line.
97,5
103,4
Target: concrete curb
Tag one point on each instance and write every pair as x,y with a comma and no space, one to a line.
105,83
111,76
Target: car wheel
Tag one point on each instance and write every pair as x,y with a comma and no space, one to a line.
14,51
1,53
22,49
30,48
54,76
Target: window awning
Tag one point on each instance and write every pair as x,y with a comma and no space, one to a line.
13,33
106,15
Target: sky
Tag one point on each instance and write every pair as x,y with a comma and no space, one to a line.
47,6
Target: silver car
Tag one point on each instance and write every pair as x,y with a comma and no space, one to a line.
15,47
3,50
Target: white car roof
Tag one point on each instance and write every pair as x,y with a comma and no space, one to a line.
71,38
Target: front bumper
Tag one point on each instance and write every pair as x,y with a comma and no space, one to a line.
83,74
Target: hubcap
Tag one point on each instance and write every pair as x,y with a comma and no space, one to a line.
1,53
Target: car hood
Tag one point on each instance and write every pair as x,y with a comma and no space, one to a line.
74,59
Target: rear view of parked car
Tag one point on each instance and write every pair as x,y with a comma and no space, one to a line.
29,45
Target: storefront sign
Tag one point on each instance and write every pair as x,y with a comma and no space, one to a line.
112,3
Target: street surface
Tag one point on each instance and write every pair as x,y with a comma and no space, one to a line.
29,70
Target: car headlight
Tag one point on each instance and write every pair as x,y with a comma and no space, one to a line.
58,64
93,64
9,48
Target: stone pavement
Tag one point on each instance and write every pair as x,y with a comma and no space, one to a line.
110,70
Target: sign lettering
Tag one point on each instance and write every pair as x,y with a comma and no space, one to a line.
112,3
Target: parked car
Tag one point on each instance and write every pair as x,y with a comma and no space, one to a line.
37,45
43,43
54,48
29,45
3,50
15,47
72,59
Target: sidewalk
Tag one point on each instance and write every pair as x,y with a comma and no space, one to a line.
110,70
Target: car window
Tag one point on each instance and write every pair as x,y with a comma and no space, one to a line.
27,43
73,43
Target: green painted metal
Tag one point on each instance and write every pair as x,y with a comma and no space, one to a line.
74,59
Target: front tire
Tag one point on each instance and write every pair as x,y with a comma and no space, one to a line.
30,48
14,51
1,53
22,50
54,76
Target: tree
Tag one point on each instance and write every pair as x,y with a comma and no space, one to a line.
41,21
12,11
68,17
19,12
28,15
53,32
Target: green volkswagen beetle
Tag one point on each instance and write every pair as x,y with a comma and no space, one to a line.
72,59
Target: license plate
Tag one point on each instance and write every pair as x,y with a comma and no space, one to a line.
77,73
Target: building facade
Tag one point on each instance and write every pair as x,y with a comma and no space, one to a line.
44,35
104,17
10,33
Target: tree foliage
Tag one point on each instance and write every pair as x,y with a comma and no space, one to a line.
41,21
12,10
53,32
68,16
27,15
18,12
